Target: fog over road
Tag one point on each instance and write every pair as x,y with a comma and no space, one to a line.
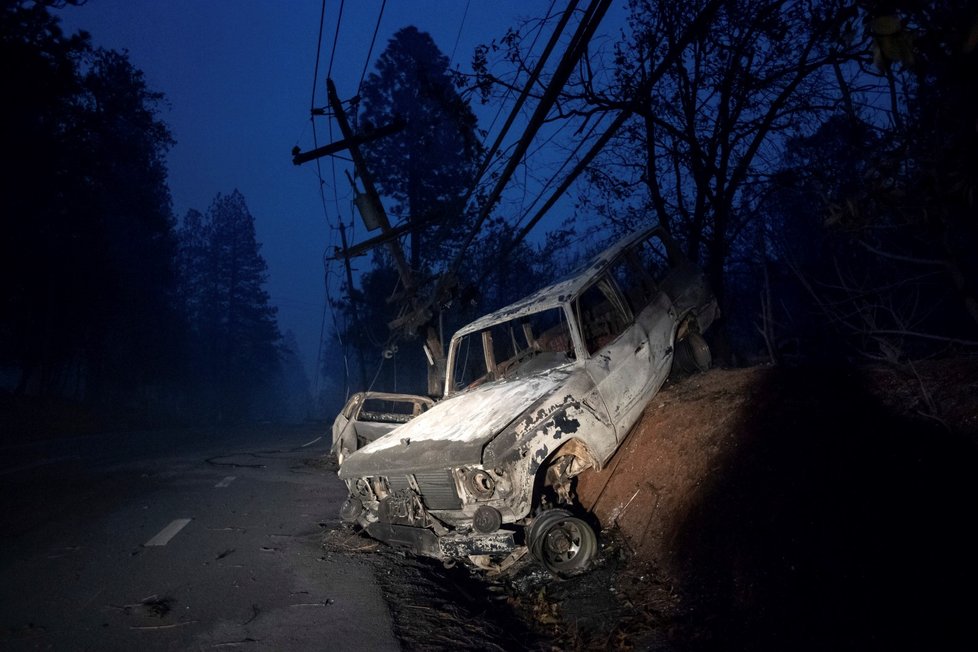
196,539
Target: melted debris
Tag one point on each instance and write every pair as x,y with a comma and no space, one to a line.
435,607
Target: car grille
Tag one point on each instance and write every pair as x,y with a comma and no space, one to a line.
438,490
397,482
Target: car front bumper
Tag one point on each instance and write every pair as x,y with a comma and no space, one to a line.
426,542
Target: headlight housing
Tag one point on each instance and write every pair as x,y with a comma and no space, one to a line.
479,483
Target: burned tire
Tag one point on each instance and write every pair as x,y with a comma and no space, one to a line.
692,354
563,543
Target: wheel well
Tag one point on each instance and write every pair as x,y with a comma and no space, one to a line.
576,448
686,325
556,476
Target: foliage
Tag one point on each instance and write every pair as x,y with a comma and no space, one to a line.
428,167
816,156
897,276
88,283
234,333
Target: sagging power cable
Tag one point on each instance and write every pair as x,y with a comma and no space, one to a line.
694,28
524,94
370,52
585,30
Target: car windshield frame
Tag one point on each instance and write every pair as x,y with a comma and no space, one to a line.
524,345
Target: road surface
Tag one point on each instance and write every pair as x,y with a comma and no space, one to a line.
189,540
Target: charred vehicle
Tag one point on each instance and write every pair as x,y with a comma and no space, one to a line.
535,393
370,415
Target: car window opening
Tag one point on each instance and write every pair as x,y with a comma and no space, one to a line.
526,345
602,315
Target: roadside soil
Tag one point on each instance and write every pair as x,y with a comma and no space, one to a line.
751,509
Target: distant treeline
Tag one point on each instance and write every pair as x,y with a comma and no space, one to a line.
106,302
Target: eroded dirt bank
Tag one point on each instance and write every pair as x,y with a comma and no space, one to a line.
804,509
756,509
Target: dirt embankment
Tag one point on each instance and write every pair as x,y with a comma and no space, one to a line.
758,509
802,509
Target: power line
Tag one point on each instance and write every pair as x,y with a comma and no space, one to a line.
370,52
509,88
458,36
554,37
339,336
336,38
322,196
553,178
319,45
589,23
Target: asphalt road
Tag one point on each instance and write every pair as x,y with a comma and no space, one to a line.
189,540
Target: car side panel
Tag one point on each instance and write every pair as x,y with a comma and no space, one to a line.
344,436
371,430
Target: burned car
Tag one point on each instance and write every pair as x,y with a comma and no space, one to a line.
370,415
535,393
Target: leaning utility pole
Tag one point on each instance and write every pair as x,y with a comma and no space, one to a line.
374,216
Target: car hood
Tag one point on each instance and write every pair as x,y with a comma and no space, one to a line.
455,430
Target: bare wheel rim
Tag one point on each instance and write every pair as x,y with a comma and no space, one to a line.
564,543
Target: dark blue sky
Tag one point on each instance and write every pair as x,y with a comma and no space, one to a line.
238,76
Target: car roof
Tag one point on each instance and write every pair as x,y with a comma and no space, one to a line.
389,396
563,291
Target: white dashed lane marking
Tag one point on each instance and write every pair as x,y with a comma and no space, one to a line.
168,532
225,482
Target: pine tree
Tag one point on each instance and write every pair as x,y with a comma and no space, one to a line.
235,330
429,166
87,244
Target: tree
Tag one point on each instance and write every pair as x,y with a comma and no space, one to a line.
427,169
429,166
234,327
41,82
754,78
87,235
899,281
702,95
133,311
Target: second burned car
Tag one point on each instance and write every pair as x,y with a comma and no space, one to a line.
368,416
535,393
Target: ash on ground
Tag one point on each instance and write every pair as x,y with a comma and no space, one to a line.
439,607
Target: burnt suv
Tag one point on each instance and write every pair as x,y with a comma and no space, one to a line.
535,393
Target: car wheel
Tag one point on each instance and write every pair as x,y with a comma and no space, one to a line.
563,543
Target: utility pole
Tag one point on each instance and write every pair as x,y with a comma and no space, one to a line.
353,145
422,318
356,311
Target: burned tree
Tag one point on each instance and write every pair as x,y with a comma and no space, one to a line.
895,273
